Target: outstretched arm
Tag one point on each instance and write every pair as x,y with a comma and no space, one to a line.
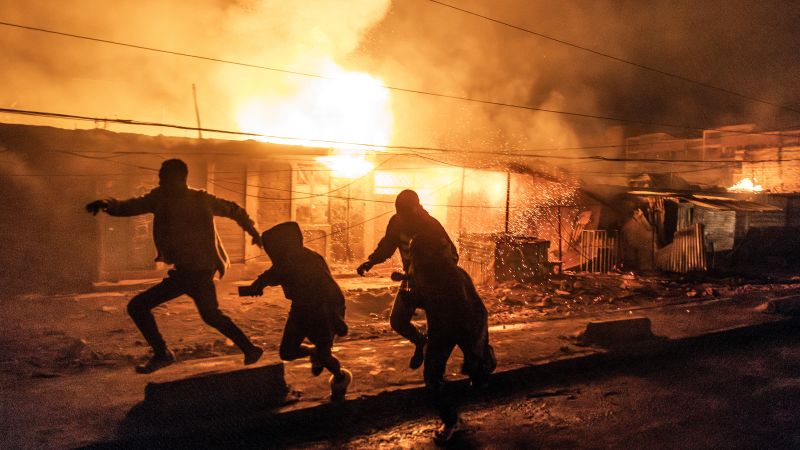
231,210
270,277
385,249
124,208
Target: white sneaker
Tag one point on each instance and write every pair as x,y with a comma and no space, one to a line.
339,388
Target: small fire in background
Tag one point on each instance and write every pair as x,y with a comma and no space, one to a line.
746,185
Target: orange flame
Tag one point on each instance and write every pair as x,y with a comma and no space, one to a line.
353,108
746,185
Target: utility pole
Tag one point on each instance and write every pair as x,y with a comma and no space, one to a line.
347,226
197,113
560,255
461,204
508,196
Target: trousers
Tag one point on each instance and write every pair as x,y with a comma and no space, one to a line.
199,286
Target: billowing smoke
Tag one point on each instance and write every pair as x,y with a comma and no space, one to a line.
46,72
746,46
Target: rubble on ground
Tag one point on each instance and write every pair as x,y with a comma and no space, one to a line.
51,335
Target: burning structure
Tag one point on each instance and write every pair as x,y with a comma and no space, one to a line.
342,200
690,220
511,220
309,82
738,157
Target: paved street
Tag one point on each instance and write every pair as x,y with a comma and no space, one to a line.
740,395
64,408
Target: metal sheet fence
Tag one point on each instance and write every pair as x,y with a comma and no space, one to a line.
477,259
599,251
686,253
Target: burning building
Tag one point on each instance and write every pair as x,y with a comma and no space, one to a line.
739,157
341,199
726,191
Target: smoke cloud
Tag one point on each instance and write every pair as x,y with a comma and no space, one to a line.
746,46
51,73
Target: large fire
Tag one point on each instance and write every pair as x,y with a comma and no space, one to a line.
746,185
352,108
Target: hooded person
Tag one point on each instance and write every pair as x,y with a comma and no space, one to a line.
410,220
186,237
456,316
317,311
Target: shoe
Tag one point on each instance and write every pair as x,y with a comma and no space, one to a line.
316,365
445,433
339,388
156,362
418,357
253,355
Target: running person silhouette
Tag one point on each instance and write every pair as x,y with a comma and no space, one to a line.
185,236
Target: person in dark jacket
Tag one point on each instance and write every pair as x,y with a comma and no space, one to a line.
317,311
411,219
185,236
456,317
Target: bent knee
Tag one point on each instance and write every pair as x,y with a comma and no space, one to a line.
399,322
212,316
136,307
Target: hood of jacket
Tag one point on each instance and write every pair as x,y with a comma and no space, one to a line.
282,240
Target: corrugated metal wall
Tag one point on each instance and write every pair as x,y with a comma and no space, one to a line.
686,253
599,251
228,180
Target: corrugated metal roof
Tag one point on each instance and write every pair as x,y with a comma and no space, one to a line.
710,201
732,204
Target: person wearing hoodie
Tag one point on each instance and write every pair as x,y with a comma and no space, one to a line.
456,317
410,220
317,311
185,236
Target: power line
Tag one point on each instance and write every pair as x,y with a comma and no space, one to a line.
776,132
89,174
310,194
324,77
371,219
618,59
217,183
338,197
377,146
81,153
